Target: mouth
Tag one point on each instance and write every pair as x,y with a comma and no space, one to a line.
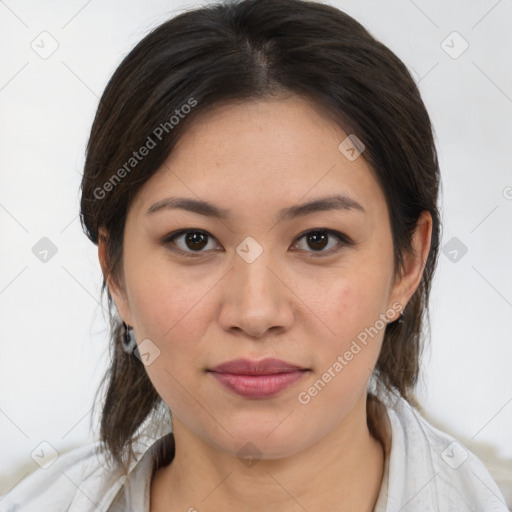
257,379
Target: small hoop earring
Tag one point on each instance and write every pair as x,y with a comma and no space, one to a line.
129,343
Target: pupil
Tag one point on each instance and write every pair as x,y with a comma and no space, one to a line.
195,238
314,238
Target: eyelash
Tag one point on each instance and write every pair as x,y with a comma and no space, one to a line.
344,241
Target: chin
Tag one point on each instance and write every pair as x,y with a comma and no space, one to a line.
258,441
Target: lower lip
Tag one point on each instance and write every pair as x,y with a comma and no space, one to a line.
258,386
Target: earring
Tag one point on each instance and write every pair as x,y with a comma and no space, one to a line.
401,318
129,343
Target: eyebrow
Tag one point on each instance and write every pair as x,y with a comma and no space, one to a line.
336,202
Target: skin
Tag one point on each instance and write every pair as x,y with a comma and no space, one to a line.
290,303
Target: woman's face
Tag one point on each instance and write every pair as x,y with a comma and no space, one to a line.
253,284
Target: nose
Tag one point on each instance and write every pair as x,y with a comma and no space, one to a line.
256,299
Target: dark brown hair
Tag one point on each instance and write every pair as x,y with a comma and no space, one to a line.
239,51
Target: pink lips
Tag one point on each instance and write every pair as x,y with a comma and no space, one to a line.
257,379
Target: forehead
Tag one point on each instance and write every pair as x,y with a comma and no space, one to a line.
262,153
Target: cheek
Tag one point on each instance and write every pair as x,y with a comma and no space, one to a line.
345,359
350,302
168,306
350,305
174,313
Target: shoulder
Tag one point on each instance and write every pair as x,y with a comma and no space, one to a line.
431,470
82,473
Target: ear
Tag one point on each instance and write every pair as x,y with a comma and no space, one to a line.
118,293
408,281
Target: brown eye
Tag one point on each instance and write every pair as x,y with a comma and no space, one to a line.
195,240
318,240
188,242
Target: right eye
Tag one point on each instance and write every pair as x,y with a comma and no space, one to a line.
191,241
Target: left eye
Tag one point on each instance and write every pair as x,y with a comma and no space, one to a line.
194,241
319,240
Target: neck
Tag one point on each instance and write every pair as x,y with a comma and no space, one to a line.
342,471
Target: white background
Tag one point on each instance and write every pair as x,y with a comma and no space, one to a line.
53,328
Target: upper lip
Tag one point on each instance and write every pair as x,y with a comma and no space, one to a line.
267,366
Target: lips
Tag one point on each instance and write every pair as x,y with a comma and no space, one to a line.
257,379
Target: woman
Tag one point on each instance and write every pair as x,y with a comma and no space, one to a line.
261,181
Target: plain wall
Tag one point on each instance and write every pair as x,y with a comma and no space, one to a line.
53,325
